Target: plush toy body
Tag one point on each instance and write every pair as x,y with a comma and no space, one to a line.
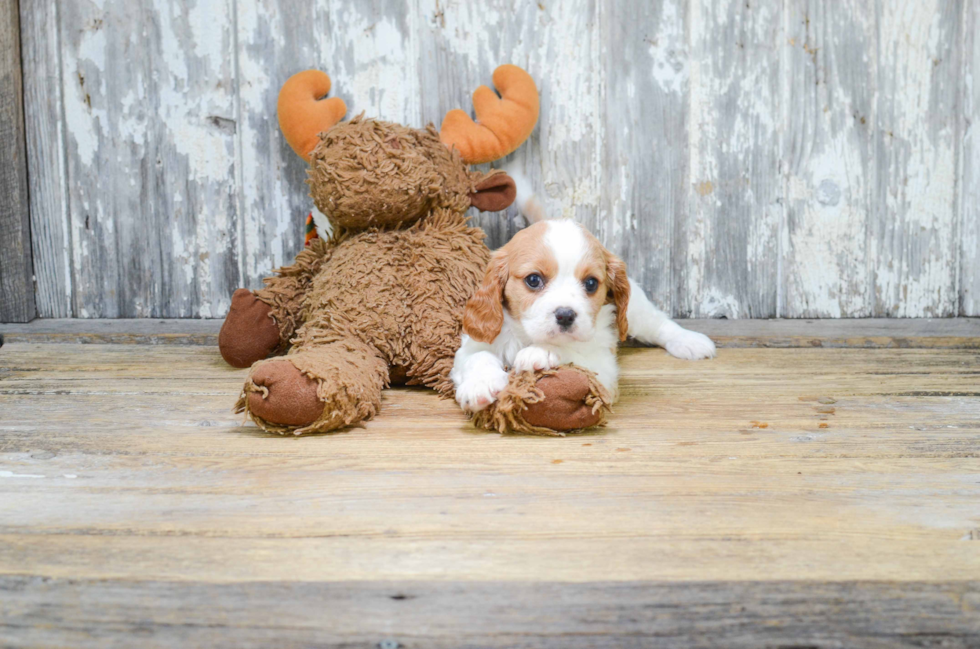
373,310
381,301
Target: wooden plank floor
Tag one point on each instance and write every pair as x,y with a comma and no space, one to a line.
812,496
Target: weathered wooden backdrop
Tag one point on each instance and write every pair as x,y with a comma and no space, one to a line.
16,288
749,158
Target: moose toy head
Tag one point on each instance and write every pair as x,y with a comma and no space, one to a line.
368,173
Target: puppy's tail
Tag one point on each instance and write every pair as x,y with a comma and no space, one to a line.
527,201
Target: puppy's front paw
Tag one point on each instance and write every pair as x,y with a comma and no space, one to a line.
535,358
690,345
478,392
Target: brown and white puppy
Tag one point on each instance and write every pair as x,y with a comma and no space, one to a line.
554,295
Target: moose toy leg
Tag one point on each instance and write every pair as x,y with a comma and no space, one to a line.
572,400
249,332
261,323
315,389
552,402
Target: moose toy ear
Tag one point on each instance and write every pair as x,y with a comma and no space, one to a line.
494,193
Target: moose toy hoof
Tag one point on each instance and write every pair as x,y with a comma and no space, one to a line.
281,394
248,334
565,406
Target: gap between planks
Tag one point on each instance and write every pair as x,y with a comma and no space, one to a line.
869,333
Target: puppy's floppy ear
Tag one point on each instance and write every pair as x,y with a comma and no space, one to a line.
484,316
619,291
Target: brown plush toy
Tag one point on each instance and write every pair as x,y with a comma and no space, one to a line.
381,301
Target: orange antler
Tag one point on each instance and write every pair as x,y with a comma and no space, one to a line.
303,114
503,123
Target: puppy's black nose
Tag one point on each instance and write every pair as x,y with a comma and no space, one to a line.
565,317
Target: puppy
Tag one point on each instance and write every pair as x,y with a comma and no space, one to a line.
554,295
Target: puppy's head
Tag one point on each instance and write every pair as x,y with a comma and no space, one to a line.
553,278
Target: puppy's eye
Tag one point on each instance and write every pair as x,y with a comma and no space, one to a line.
534,281
591,285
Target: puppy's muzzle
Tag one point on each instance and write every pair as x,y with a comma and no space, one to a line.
565,317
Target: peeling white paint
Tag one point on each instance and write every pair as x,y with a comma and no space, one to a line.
377,74
86,124
668,52
969,173
914,258
716,304
261,182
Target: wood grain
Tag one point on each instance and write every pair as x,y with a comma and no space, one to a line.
645,177
829,151
151,157
969,195
729,238
16,267
407,614
274,40
768,495
914,246
46,155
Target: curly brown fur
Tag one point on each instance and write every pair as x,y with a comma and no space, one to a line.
285,292
402,292
369,173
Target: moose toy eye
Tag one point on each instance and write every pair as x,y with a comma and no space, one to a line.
591,285
534,281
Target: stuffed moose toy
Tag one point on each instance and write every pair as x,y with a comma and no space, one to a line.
381,300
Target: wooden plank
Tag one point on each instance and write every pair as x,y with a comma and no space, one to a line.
868,334
558,44
645,176
48,179
371,52
913,239
950,333
727,245
142,331
85,613
274,40
16,266
150,124
969,193
829,150
367,48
